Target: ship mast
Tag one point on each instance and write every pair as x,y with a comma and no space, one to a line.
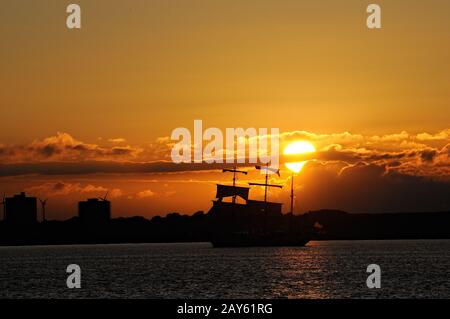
266,183
234,170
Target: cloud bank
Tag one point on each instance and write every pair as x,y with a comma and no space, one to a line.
424,154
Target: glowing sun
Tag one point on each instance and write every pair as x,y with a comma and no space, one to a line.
297,148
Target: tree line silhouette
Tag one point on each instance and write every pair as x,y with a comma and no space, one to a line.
174,227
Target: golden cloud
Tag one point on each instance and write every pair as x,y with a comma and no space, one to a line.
424,154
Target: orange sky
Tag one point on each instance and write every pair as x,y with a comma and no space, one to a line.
374,102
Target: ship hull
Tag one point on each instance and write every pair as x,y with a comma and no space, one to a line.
259,241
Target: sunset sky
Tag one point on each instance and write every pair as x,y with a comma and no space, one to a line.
90,110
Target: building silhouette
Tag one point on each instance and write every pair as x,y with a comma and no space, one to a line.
20,209
94,211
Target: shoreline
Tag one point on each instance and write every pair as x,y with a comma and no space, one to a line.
207,242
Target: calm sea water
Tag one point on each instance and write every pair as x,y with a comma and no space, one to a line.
333,269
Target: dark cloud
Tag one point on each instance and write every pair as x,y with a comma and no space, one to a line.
59,186
393,164
92,167
48,150
370,188
122,151
428,155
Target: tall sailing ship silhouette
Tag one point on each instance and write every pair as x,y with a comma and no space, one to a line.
242,222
